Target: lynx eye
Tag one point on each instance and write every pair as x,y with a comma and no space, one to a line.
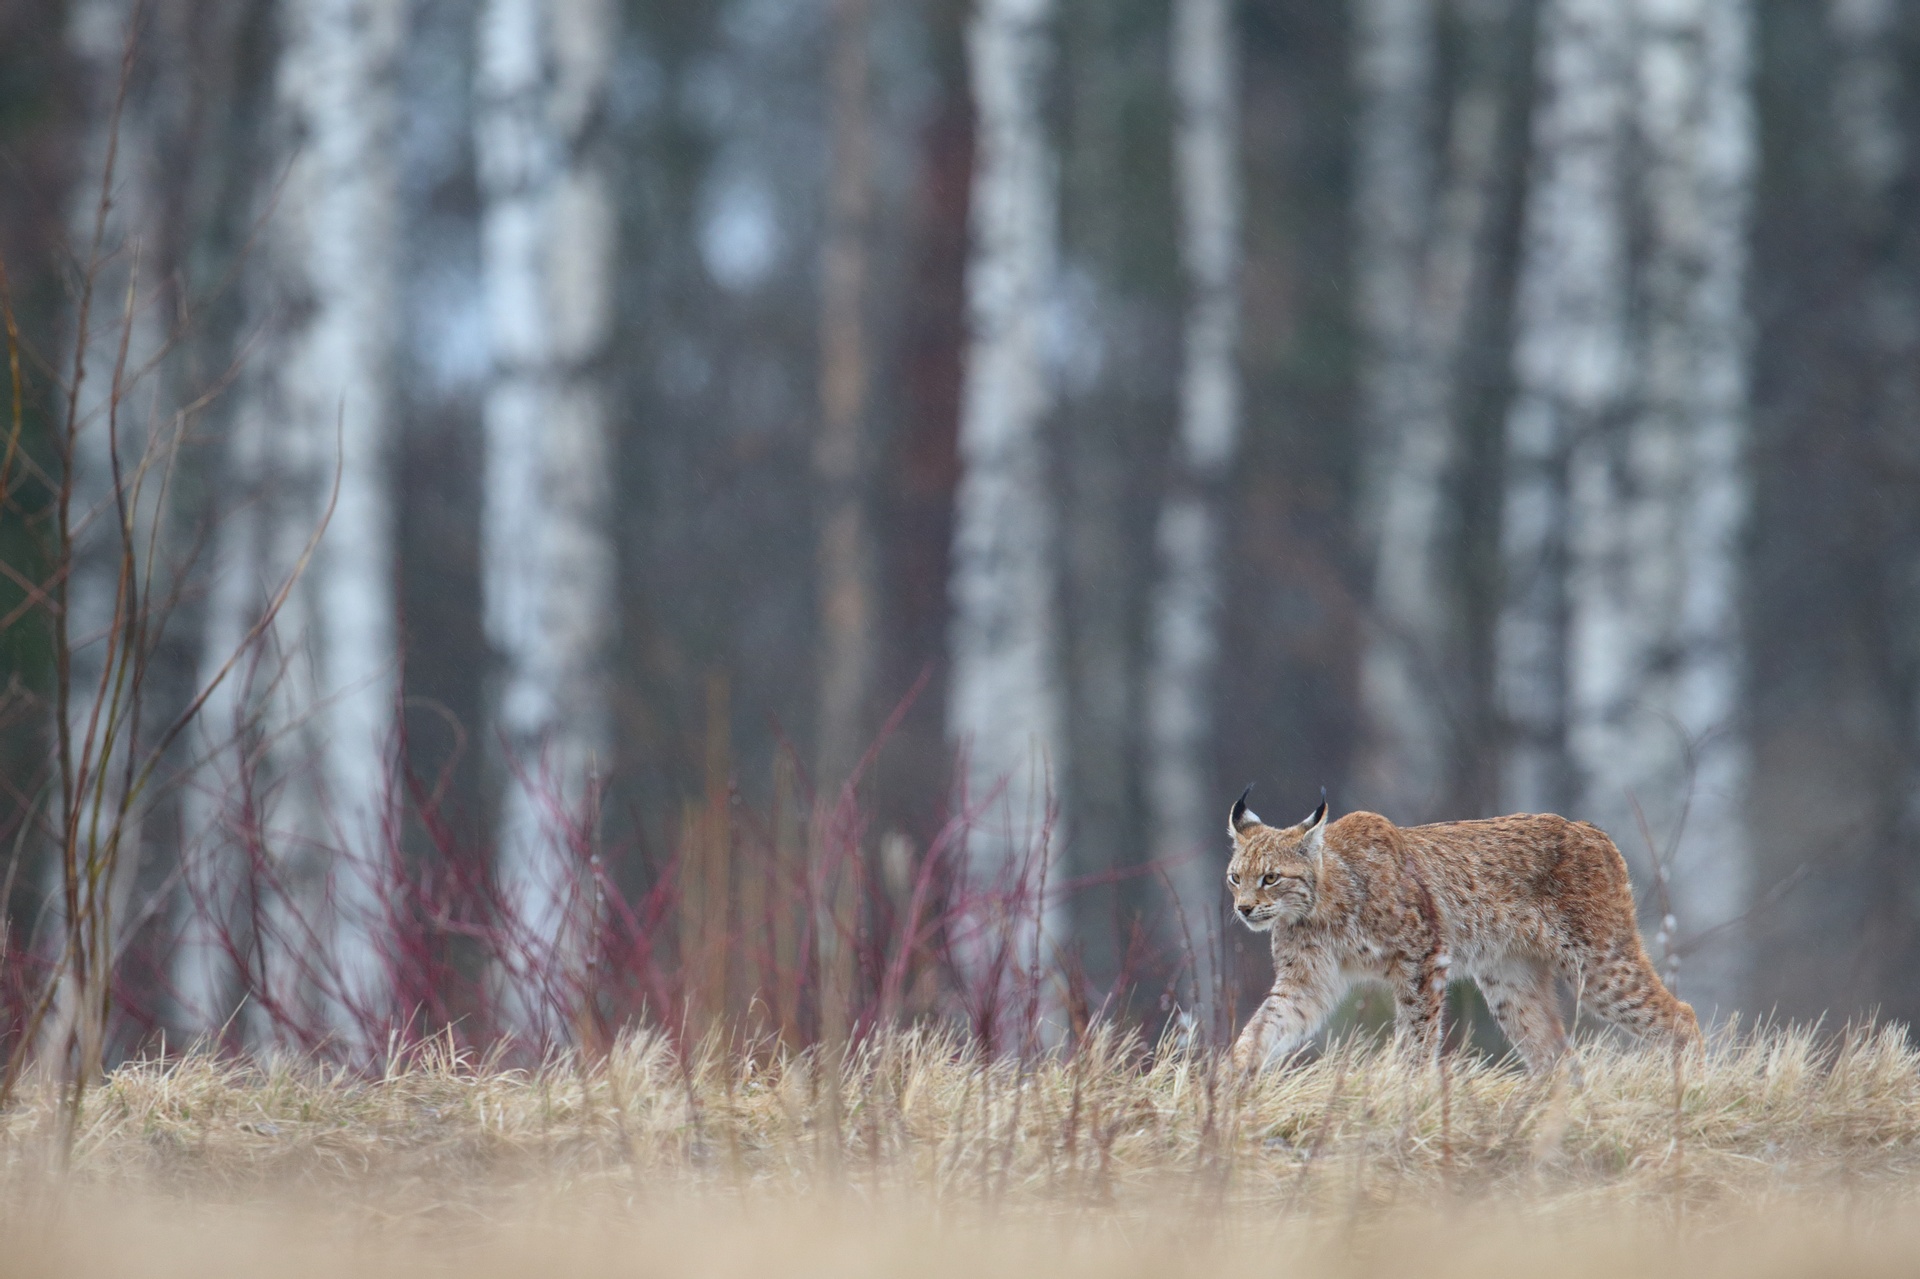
1233,879
1268,881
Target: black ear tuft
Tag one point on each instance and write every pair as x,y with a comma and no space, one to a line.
1242,816
1319,814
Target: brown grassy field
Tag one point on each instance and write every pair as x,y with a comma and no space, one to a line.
1779,1153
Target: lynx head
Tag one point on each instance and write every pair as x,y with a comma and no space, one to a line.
1275,872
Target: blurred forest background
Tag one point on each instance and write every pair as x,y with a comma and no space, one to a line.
1461,405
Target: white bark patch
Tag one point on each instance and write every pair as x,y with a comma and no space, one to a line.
547,248
1004,695
1422,220
1569,367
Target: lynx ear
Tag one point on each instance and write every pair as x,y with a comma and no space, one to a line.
1242,818
1316,825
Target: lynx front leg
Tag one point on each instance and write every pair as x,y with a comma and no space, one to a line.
1419,995
1305,989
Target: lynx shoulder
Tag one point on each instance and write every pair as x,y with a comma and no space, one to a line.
1514,903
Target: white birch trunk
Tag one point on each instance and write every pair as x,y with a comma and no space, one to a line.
1569,367
1655,644
547,248
208,966
1422,254
1402,762
1004,695
1186,814
314,424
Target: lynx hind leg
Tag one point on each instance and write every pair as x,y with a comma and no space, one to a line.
1304,993
1625,990
1520,994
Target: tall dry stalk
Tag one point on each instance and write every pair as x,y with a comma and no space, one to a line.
109,761
108,764
846,554
99,778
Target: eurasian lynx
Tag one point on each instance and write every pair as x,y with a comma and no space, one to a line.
1512,902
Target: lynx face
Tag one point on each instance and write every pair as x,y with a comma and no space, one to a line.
1274,872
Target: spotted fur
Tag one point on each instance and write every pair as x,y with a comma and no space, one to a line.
1511,902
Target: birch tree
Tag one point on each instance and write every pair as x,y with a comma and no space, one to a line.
1184,635
299,733
1422,256
547,247
1659,510
1569,368
1004,697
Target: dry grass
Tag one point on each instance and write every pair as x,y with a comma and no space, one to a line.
1111,1159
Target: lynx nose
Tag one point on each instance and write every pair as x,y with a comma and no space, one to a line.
1245,908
